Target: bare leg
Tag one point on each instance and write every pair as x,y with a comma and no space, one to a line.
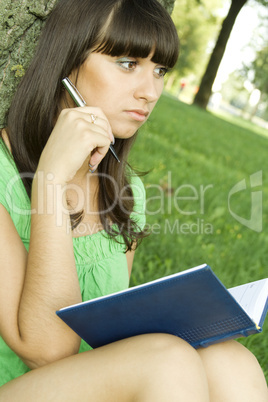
145,368
233,374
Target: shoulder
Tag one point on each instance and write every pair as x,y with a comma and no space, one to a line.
6,172
12,191
6,160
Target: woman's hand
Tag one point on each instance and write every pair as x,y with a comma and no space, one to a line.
72,141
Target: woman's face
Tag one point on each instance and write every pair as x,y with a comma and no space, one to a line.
125,88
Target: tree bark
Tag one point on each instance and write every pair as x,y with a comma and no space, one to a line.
202,97
21,22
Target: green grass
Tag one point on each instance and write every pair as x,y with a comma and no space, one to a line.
195,158
241,122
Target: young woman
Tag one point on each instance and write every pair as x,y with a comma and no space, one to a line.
68,234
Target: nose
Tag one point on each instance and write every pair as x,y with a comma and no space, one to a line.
148,88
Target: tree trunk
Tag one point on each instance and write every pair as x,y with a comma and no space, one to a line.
202,97
21,22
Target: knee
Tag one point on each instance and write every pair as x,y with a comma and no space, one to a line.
229,354
167,369
172,353
227,350
169,345
175,363
232,369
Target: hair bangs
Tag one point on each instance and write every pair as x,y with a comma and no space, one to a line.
137,31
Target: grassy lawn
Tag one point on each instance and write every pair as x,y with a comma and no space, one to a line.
195,159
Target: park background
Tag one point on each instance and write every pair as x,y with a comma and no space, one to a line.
201,150
207,135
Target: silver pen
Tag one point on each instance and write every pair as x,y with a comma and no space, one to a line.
79,101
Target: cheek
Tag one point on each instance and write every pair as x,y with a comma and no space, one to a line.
105,96
93,89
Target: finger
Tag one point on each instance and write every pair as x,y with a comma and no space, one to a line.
97,117
97,157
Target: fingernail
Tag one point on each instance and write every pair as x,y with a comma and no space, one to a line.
113,142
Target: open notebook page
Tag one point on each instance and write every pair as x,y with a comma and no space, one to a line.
252,298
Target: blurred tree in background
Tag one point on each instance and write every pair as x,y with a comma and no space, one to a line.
257,74
247,87
195,24
205,89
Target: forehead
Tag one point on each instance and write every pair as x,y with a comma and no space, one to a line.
140,32
99,60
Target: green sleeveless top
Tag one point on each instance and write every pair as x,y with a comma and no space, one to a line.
100,261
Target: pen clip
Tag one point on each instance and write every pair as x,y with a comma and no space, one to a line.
73,91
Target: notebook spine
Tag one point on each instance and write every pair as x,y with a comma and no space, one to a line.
234,335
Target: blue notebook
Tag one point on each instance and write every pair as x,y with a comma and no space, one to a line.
193,305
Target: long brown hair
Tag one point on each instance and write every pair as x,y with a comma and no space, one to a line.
74,28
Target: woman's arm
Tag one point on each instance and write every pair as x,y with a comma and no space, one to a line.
28,302
38,284
51,280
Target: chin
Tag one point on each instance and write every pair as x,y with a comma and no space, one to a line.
123,137
127,133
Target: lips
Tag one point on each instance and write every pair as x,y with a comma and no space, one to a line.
138,114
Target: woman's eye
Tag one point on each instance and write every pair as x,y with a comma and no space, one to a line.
161,71
127,64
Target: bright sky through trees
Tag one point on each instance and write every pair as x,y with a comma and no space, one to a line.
239,48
